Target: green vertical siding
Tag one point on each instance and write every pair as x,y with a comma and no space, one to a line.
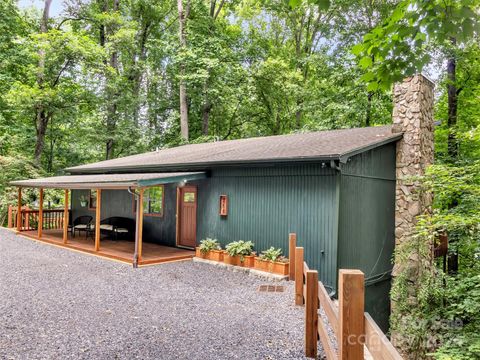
266,204
367,223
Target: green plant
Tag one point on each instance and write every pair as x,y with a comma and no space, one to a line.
272,254
240,248
208,244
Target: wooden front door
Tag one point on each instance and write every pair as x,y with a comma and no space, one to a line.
187,216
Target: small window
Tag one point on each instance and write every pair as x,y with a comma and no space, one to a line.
92,202
189,197
152,201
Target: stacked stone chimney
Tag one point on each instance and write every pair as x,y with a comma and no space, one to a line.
413,115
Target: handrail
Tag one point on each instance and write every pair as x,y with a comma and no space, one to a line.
52,218
353,324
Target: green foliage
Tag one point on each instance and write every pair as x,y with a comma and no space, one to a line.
401,45
240,248
439,313
271,254
208,244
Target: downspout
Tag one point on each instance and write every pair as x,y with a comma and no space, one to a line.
333,164
135,254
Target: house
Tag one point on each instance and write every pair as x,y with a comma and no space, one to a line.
335,189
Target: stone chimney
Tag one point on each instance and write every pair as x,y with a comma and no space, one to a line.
413,115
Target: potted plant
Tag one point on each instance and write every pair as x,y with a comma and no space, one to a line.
209,249
271,260
83,201
240,253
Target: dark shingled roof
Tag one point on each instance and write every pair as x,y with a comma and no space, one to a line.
322,145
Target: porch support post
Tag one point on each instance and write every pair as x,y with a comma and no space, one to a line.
19,210
98,212
65,218
40,214
140,224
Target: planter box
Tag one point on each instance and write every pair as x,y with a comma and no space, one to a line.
199,254
231,260
215,255
261,265
280,268
273,267
248,261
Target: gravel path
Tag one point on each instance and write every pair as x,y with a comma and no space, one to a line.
56,303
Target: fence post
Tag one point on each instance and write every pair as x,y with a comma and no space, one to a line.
292,244
9,218
311,313
351,297
299,276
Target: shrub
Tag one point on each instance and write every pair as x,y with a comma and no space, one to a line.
273,254
240,248
208,244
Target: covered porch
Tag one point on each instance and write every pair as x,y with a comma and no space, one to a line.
55,226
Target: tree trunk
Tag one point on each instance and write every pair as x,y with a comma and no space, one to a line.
112,101
452,106
182,19
368,118
41,119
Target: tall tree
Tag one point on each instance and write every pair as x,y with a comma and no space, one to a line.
42,115
182,22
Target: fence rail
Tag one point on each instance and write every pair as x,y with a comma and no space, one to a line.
352,328
29,219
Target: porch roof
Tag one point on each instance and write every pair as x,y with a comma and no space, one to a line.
109,181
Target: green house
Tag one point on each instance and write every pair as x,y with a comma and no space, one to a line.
334,189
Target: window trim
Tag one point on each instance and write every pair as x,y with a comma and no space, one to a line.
151,214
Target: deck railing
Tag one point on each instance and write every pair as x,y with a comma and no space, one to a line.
52,218
352,328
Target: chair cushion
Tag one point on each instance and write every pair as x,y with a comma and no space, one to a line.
80,226
121,230
103,227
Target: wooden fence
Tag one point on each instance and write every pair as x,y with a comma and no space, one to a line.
351,327
52,219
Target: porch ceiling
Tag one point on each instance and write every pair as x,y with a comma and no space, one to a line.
109,181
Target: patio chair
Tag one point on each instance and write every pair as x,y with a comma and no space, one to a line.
81,223
116,227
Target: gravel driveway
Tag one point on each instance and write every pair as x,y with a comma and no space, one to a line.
56,304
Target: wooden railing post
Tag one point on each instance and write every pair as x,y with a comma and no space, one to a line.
19,210
311,313
98,214
40,214
299,276
65,218
351,297
292,244
9,217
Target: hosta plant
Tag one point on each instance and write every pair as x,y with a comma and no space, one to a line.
208,244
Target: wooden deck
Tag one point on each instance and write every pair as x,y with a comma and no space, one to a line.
121,250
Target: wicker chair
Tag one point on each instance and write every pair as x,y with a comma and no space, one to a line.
81,223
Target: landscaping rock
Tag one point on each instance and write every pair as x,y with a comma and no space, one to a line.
56,303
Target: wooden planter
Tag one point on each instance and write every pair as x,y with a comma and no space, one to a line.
215,255
248,261
261,265
231,260
200,254
273,267
280,268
